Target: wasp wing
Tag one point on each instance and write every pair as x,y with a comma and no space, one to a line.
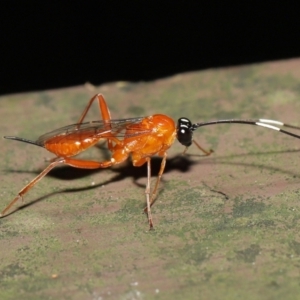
113,128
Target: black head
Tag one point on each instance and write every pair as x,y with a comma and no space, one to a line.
184,132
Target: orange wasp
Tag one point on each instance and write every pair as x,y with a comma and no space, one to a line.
140,138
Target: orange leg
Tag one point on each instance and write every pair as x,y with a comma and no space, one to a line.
117,157
203,150
150,196
31,184
82,164
160,173
148,193
88,164
105,113
207,153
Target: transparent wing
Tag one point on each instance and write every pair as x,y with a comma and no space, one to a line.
113,128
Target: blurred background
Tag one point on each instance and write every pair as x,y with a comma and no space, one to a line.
51,44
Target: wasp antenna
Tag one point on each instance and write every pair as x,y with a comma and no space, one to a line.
278,123
22,140
259,122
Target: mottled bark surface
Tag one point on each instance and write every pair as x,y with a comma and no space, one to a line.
226,226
